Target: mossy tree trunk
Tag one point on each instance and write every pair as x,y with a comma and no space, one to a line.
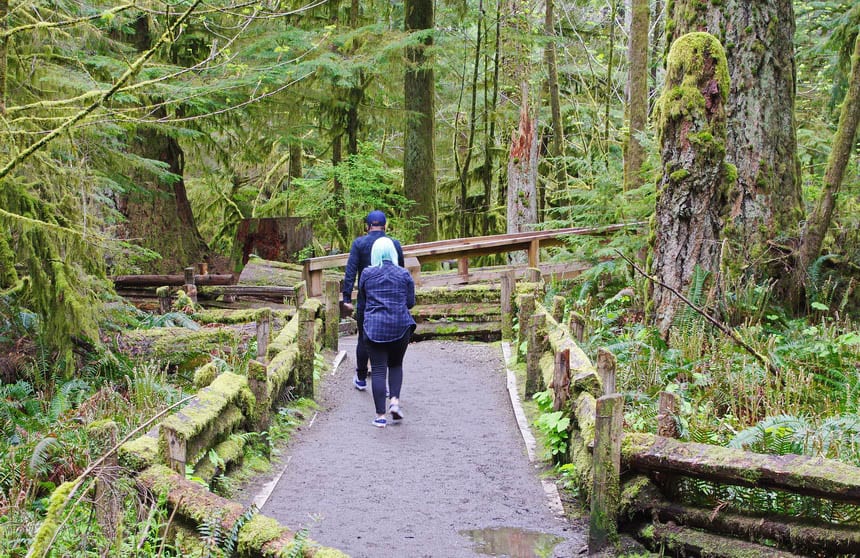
691,122
843,143
765,201
419,168
637,94
158,214
556,123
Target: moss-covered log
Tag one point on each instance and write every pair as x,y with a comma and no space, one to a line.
468,312
141,452
786,532
215,412
237,316
673,540
461,295
483,331
260,536
811,476
180,347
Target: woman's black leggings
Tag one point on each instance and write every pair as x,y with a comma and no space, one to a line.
386,359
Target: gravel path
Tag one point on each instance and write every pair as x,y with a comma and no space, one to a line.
452,480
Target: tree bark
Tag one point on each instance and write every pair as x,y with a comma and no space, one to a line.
419,169
765,202
522,175
843,143
637,94
557,145
692,127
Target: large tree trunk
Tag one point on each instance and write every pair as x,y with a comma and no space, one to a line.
637,94
691,122
557,145
843,144
765,202
158,215
419,168
522,174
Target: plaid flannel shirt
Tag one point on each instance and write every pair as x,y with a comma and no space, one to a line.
388,293
359,259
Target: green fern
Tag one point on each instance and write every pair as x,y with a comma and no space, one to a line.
38,464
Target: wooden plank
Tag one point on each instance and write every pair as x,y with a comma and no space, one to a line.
477,246
483,311
683,541
812,476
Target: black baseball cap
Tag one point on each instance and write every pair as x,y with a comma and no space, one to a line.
375,218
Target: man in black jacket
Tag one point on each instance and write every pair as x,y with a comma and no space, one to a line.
359,258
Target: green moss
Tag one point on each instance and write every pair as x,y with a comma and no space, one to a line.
256,532
233,316
42,541
448,295
205,375
140,453
731,173
679,175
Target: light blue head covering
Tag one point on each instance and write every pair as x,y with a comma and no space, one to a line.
383,249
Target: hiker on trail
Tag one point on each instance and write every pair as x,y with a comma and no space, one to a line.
359,259
388,293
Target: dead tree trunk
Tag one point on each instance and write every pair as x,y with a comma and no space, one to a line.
522,174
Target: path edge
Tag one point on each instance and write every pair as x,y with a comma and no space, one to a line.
553,499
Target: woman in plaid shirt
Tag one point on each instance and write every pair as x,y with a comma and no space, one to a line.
389,293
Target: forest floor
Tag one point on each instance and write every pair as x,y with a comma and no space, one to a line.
453,479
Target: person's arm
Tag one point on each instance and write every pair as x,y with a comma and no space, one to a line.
410,291
400,257
351,270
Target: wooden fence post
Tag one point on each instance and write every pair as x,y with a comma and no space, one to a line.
526,307
606,487
203,268
536,348
561,380
557,311
332,314
667,417
259,386
177,450
509,284
533,275
108,504
301,293
577,326
163,294
190,287
606,363
264,321
307,351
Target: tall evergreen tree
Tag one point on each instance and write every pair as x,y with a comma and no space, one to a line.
765,202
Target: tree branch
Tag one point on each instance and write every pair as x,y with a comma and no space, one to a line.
133,69
733,335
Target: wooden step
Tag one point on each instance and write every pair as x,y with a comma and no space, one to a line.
484,331
467,312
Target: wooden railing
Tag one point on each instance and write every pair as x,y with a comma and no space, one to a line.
461,249
650,470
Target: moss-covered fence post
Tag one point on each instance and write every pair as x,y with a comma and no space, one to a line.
606,364
606,488
557,311
108,505
264,325
307,349
577,326
525,310
332,314
258,383
667,416
537,344
533,275
509,285
561,380
177,449
301,293
163,294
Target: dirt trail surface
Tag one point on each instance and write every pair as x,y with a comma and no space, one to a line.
456,464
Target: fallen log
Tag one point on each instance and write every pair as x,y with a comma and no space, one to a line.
171,280
811,476
674,540
805,536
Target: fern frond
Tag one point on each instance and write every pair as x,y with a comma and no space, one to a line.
38,462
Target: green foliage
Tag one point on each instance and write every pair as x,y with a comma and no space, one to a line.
553,425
